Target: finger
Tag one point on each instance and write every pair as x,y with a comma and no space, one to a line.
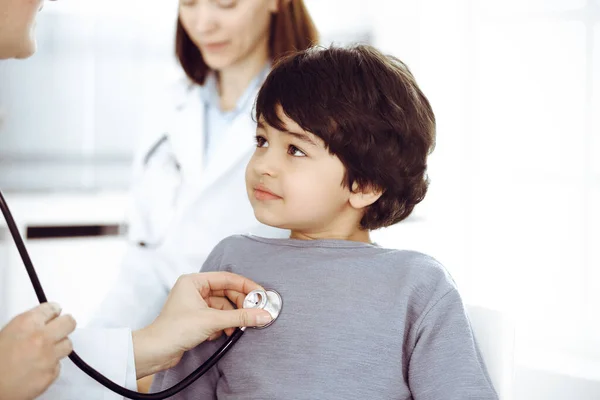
218,293
59,328
207,282
63,348
45,312
223,292
216,335
219,303
55,373
223,319
236,297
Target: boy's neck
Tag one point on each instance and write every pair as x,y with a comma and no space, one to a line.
358,235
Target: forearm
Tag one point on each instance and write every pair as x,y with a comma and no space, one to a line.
150,358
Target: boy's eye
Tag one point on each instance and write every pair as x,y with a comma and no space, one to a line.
296,152
187,2
261,141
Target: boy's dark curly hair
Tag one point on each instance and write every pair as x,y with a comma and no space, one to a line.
370,113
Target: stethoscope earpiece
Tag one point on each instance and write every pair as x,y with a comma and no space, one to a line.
268,300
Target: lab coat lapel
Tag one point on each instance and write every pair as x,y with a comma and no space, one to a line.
237,146
185,135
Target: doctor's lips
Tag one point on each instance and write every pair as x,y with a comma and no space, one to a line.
262,193
214,46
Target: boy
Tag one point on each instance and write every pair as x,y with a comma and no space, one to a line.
342,139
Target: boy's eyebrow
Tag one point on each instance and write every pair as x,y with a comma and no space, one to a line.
300,136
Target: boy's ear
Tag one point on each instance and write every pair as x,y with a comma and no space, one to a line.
361,197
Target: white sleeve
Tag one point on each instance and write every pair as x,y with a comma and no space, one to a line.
140,291
110,352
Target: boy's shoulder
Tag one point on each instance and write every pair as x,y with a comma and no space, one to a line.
228,242
234,240
236,243
419,270
223,250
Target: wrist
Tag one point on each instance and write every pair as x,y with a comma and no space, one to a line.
149,357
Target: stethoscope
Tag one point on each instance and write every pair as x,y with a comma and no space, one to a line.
268,300
160,155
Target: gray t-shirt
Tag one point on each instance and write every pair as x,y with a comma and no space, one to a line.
358,322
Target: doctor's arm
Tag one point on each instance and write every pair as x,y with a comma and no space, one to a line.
197,308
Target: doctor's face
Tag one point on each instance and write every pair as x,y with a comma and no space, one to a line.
228,32
293,182
17,27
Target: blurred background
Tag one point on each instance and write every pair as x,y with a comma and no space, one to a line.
514,204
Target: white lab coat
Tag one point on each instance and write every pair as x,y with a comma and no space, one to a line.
181,214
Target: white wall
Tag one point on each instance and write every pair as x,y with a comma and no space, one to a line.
75,272
513,207
100,69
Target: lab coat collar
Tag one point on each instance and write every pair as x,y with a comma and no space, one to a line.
209,92
236,146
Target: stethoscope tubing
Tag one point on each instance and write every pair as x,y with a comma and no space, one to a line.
103,380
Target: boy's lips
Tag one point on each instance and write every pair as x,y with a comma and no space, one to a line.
261,192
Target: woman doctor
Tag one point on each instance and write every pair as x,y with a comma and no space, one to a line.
33,343
203,133
189,190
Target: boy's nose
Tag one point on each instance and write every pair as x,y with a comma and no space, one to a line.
266,164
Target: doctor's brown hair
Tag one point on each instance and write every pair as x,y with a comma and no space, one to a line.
291,29
371,114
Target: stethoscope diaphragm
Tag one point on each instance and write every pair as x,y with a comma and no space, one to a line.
268,300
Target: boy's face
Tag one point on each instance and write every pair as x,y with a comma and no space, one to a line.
293,182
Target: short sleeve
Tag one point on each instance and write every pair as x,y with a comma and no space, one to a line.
445,362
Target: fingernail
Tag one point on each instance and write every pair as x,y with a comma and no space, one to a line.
56,307
263,319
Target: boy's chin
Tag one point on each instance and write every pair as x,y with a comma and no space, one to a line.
269,220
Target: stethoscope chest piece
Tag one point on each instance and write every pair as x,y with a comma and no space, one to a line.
268,300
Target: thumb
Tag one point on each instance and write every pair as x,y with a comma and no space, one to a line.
223,319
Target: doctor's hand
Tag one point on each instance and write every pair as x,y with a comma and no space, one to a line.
198,308
31,346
